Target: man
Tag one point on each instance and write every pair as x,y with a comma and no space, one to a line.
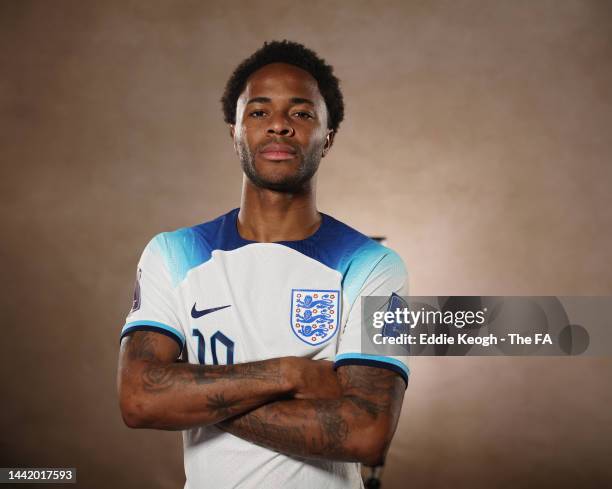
264,302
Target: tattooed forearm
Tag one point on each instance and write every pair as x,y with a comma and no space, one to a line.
156,391
309,428
373,409
357,427
268,371
220,406
317,431
265,432
334,428
157,378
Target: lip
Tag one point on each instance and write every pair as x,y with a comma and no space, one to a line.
277,155
277,152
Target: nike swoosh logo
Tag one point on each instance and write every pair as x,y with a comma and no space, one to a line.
198,314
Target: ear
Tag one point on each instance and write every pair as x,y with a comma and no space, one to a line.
329,141
232,132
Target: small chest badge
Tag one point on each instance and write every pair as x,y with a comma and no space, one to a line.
314,314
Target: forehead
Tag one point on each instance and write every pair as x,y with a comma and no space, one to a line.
281,80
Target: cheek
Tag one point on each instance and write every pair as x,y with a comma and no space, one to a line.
250,130
241,144
243,136
317,138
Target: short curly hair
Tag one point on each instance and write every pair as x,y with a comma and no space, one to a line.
294,54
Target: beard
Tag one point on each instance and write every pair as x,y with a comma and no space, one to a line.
290,183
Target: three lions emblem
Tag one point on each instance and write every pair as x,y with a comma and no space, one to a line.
314,314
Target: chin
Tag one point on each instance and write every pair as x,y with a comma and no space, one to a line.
285,184
279,176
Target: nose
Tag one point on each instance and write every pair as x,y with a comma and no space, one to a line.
280,126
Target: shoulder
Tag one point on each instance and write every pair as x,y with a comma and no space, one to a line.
185,248
354,250
365,264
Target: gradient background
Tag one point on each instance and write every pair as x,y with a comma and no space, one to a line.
477,139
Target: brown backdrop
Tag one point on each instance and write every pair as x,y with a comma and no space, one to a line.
477,139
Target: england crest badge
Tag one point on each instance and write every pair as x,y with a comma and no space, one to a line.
315,314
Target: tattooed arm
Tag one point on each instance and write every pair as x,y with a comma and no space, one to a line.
356,427
157,392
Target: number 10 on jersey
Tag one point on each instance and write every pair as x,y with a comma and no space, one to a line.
216,338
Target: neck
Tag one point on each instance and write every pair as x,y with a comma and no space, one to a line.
267,216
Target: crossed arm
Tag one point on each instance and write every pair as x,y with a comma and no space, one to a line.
358,426
292,405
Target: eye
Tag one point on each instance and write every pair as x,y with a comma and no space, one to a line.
257,114
303,115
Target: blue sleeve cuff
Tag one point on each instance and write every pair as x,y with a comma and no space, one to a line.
155,327
379,361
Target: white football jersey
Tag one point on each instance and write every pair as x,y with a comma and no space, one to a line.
228,300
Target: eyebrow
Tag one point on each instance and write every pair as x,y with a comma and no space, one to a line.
267,100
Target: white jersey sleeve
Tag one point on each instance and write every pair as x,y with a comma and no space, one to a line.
155,305
387,278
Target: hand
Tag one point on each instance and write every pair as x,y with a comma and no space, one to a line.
313,379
